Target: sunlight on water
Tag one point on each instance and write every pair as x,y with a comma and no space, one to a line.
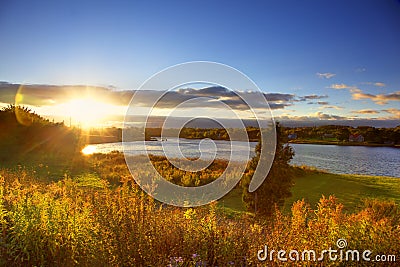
89,149
189,148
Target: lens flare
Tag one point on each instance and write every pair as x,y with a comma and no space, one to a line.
89,150
20,110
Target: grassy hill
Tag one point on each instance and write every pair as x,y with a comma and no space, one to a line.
310,185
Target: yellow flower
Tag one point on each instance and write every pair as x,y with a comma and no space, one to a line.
189,213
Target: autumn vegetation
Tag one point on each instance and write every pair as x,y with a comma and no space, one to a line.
67,209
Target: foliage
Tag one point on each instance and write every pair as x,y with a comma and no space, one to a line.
95,215
253,133
66,223
24,133
112,167
276,186
340,133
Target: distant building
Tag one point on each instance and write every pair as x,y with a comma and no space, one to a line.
356,138
292,136
328,135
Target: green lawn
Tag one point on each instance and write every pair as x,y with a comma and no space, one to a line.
232,202
351,190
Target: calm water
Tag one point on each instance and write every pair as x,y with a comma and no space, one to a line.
189,148
380,161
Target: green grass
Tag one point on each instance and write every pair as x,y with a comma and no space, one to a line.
232,203
89,180
351,190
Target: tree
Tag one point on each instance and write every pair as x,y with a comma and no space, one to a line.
276,186
343,134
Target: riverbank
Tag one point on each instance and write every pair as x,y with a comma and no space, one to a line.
338,143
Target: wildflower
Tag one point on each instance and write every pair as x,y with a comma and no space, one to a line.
200,263
189,213
177,259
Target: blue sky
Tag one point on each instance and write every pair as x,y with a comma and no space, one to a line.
290,47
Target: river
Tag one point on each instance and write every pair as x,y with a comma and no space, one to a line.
379,161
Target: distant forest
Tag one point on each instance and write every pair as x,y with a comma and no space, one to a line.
371,135
201,133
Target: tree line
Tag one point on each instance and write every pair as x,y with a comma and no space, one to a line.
342,133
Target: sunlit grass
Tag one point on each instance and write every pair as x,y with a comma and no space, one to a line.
95,215
350,189
76,222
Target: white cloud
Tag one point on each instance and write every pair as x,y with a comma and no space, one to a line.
312,117
331,107
340,86
379,84
326,75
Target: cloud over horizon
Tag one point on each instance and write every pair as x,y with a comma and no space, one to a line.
365,111
311,97
42,95
358,94
52,95
380,99
394,111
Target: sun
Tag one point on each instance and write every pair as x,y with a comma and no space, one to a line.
88,150
87,112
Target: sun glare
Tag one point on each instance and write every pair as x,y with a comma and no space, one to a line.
88,150
88,112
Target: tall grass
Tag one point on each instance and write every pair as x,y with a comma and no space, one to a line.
77,223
